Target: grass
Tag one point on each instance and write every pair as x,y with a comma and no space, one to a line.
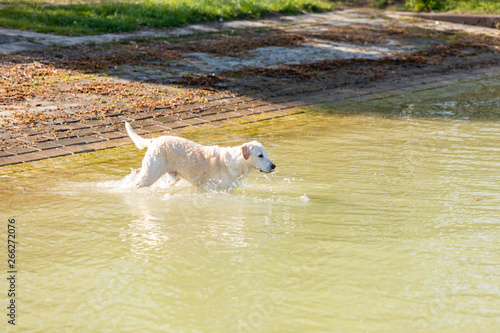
474,6
88,18
450,6
455,6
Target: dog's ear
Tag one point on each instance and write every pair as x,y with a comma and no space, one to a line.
245,149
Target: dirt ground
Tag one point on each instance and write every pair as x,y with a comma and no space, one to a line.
45,94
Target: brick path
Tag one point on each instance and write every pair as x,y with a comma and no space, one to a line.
252,102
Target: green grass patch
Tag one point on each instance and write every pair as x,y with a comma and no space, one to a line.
455,6
450,6
120,16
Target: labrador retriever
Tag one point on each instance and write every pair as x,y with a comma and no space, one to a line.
208,167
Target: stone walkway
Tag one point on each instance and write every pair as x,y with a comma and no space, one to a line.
265,79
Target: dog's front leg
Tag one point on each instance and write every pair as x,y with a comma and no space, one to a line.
153,167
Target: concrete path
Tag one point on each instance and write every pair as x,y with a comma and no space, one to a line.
17,40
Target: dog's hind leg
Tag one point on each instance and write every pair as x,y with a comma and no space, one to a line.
153,167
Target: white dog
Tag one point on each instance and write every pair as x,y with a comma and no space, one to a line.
212,168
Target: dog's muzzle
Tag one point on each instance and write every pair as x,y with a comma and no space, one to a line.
273,166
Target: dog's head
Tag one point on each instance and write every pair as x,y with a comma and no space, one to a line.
255,155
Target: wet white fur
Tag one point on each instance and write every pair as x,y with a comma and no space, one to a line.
208,167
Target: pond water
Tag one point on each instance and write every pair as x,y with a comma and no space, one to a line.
374,221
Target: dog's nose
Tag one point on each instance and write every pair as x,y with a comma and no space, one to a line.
273,166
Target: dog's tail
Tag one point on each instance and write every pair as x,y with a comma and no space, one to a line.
141,143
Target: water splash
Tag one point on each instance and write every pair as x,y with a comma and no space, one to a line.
257,188
122,184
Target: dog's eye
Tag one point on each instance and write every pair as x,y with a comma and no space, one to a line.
260,156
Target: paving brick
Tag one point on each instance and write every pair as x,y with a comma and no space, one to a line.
194,121
282,113
235,114
243,106
55,152
8,160
216,117
315,99
76,126
29,157
175,132
4,153
264,108
179,124
116,142
92,139
75,149
139,130
291,104
20,150
112,135
109,128
46,145
153,129
13,143
279,99
141,120
78,140
59,135
225,108
100,145
87,147
166,119
99,122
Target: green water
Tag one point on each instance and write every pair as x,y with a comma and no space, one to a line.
374,221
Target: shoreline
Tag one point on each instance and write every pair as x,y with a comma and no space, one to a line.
186,81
